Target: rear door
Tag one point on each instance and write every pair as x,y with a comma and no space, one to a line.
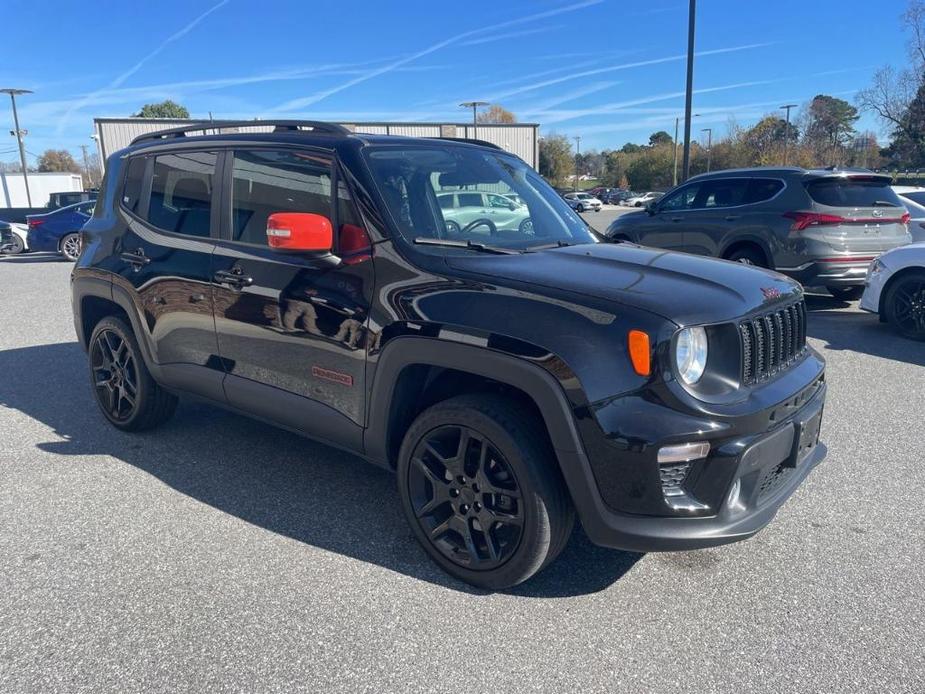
292,326
164,258
865,214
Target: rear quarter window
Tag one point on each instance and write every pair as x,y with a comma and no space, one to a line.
762,189
852,192
131,188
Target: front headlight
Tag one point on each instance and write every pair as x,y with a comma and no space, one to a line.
690,354
875,267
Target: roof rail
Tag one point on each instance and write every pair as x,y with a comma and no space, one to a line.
470,141
279,126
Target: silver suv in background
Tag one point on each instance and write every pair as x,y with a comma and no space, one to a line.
822,227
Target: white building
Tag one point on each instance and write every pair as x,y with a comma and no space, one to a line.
41,185
112,134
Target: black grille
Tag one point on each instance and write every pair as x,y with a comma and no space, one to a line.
673,477
772,480
772,342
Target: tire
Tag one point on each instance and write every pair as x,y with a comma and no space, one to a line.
904,305
529,514
15,247
580,207
70,246
123,388
526,226
748,256
846,293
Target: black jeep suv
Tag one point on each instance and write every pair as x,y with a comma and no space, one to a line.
513,378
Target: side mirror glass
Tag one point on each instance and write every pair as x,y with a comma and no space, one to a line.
299,231
651,207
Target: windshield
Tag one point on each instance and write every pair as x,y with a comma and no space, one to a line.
464,194
855,191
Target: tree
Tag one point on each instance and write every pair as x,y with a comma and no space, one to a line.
651,170
57,160
765,140
496,114
165,109
660,138
631,148
556,159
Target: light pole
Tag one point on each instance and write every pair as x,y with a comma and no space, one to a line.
577,139
787,108
709,132
474,105
19,133
691,16
83,148
687,128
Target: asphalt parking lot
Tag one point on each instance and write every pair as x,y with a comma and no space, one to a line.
219,555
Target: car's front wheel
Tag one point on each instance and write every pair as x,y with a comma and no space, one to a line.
70,247
125,391
15,247
904,305
483,493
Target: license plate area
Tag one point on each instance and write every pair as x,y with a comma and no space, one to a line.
806,436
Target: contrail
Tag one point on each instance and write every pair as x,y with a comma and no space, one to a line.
118,81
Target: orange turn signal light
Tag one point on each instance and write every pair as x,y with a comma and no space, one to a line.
640,352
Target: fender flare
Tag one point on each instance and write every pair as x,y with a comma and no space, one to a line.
757,241
511,370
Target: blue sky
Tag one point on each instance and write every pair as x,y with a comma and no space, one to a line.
611,71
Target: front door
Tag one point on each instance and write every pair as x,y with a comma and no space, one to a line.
665,225
292,327
164,260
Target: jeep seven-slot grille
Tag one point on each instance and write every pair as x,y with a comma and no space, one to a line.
772,342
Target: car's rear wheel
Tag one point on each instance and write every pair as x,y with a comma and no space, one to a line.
15,247
481,488
526,226
904,305
125,391
748,256
846,293
70,247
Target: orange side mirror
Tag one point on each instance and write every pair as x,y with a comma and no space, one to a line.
299,231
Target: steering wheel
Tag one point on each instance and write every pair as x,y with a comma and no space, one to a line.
492,229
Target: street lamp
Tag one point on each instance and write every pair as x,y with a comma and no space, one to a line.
687,129
577,139
709,132
19,134
691,15
474,105
787,108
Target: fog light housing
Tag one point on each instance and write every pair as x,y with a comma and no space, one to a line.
683,452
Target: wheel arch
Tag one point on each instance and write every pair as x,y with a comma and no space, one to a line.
750,242
894,278
415,372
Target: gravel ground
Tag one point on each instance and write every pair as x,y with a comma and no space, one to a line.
217,554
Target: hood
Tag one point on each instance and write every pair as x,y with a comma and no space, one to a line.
686,289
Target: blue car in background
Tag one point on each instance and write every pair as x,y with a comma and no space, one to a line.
59,231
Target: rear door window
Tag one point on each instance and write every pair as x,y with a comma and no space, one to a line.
131,189
470,199
852,192
761,189
722,193
181,193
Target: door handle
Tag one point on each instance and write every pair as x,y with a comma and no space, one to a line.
235,278
137,258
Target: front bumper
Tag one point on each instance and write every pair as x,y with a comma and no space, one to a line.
738,488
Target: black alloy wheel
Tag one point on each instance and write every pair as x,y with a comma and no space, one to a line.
482,490
124,389
904,305
115,375
466,497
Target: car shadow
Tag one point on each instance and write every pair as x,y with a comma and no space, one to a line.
32,258
268,477
857,331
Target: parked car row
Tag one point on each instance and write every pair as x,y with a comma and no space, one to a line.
57,231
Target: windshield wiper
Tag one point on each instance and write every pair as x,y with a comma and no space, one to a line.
468,245
883,203
544,246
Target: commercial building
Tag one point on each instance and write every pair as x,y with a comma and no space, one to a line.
112,134
41,185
